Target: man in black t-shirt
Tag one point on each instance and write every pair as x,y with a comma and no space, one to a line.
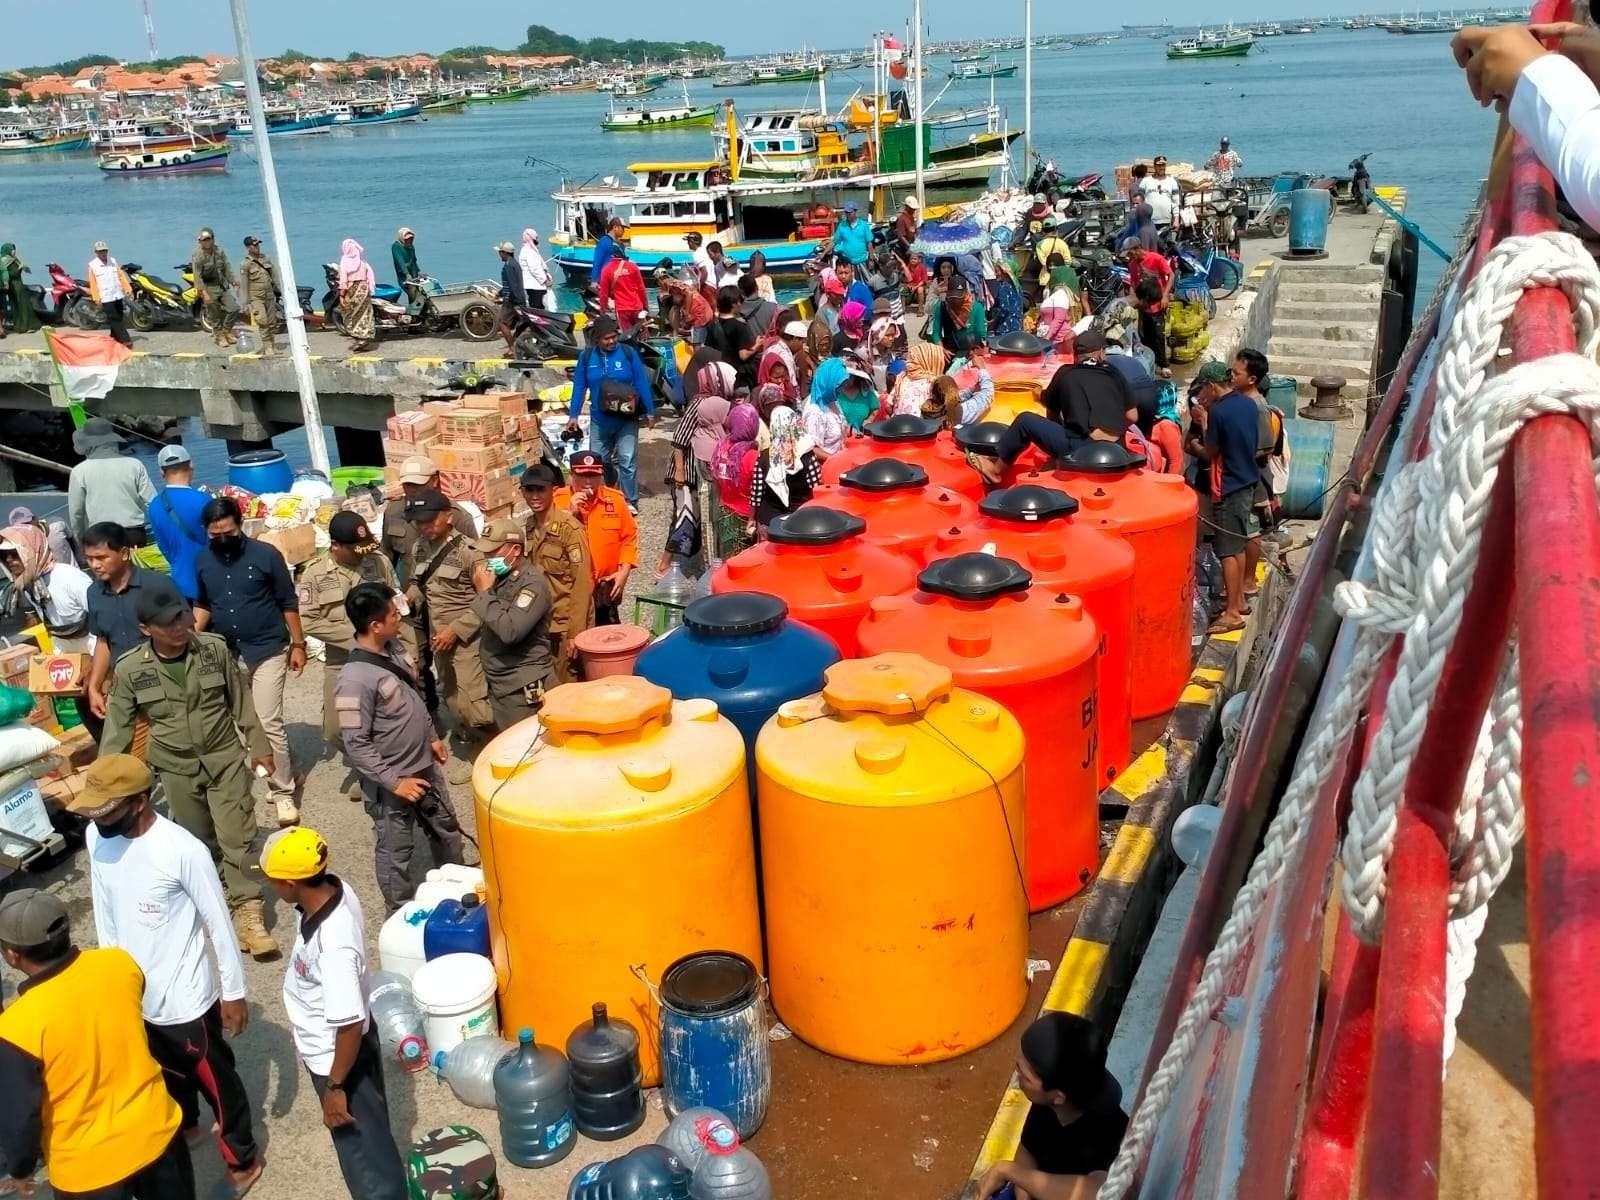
1076,1122
730,335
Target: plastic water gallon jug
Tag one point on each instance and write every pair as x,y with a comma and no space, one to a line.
643,1173
449,882
469,1068
607,1096
400,948
533,1091
399,1022
456,927
681,1138
456,996
727,1170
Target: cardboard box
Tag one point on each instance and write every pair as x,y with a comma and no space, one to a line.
65,789
441,408
470,458
486,489
78,748
58,674
507,404
363,507
14,664
412,426
395,453
471,427
297,543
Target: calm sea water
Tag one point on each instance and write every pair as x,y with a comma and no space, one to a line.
465,181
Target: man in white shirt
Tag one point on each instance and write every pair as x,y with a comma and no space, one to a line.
1160,192
157,896
110,289
325,995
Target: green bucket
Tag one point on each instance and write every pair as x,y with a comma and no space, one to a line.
344,478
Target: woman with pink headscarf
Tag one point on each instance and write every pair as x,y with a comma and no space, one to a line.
355,295
535,274
733,465
699,429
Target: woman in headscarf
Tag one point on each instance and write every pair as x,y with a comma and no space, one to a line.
884,351
1059,308
787,471
858,398
535,274
818,348
822,418
698,431
1140,230
58,592
1005,307
852,326
355,295
16,307
733,465
1156,437
830,302
758,272
925,362
957,313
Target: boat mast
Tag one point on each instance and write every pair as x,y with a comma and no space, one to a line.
1027,85
294,322
916,107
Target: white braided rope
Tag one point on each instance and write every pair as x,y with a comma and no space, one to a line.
1423,548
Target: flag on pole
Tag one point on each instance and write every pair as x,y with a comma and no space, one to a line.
87,363
893,51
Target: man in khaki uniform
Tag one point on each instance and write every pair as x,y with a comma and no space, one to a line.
325,582
201,726
213,277
558,546
514,605
258,282
438,573
417,474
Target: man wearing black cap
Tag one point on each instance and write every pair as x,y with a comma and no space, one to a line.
325,582
558,547
258,283
82,1089
514,605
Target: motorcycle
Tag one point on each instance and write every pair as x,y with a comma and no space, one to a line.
70,297
393,311
155,301
539,336
1361,190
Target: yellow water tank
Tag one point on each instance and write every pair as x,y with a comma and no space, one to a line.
615,830
892,828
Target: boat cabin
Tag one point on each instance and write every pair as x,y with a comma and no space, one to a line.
787,144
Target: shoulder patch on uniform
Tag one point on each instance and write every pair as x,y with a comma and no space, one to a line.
140,680
305,595
524,598
575,554
349,710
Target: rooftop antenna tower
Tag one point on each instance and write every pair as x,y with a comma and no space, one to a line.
150,31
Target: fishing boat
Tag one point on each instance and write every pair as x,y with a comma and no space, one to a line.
285,120
638,117
166,155
987,69
443,102
378,111
635,87
804,72
963,59
740,79
1232,43
576,85
19,139
976,146
496,93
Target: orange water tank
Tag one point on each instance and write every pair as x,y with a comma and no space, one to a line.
891,853
820,563
1040,528
916,440
1159,515
1035,652
903,511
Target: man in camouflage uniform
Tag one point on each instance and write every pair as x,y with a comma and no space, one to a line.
558,546
453,1163
258,283
213,277
514,605
439,592
188,689
324,584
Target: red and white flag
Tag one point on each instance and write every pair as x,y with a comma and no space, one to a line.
86,362
893,51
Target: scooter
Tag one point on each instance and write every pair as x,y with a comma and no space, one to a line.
392,310
539,336
70,297
155,302
1086,190
1361,182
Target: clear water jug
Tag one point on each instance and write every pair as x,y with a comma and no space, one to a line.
398,1020
607,1096
643,1173
468,1068
533,1091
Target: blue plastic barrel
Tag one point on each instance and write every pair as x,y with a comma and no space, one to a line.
740,650
456,927
714,1048
1308,220
1310,467
1283,394
260,471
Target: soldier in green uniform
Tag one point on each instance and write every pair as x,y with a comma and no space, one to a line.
258,283
439,591
399,535
558,546
453,1163
213,276
514,605
324,584
201,726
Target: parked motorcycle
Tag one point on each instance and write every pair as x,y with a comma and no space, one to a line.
539,336
1361,182
70,296
156,302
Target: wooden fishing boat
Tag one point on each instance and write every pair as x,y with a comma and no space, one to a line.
163,157
984,70
637,118
16,139
1232,43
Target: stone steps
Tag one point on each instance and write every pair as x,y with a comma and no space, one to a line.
1351,332
1359,314
1338,355
1311,292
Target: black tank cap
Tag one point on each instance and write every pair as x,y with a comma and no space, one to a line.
1102,458
903,428
975,576
1018,345
884,475
981,437
1027,503
815,525
735,614
710,982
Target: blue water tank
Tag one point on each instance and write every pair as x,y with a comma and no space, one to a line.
741,650
456,927
260,471
1309,210
1310,467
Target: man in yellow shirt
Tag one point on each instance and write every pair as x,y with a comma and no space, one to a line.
82,1090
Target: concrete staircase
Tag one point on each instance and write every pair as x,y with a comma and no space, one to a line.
1325,322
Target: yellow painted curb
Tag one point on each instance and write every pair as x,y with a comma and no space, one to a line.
188,354
1141,773
492,364
1129,854
427,362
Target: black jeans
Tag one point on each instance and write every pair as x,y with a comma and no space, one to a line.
170,1177
1153,333
196,1058
369,1160
1031,429
395,826
116,320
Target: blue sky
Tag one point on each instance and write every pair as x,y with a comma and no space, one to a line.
51,32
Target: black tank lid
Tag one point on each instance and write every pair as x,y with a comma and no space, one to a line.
1027,503
735,614
1102,458
884,475
1018,345
981,437
711,982
975,576
903,428
815,525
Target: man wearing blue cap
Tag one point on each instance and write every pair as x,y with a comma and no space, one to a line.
852,236
174,518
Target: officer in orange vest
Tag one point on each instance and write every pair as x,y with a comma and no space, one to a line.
612,532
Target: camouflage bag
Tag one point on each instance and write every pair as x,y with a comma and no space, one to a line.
452,1163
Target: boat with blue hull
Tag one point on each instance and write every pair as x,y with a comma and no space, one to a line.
376,112
286,121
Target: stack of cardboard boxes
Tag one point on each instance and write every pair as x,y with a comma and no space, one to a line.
480,444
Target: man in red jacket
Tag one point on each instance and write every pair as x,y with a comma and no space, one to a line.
622,285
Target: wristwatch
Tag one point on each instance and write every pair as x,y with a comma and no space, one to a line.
331,1086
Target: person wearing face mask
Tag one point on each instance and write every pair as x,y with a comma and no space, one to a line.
156,895
514,605
188,691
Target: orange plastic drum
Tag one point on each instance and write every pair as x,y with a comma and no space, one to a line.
891,830
823,567
1035,652
1039,528
915,440
903,511
1159,515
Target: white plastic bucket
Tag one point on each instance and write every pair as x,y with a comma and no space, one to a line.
456,993
400,939
449,882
